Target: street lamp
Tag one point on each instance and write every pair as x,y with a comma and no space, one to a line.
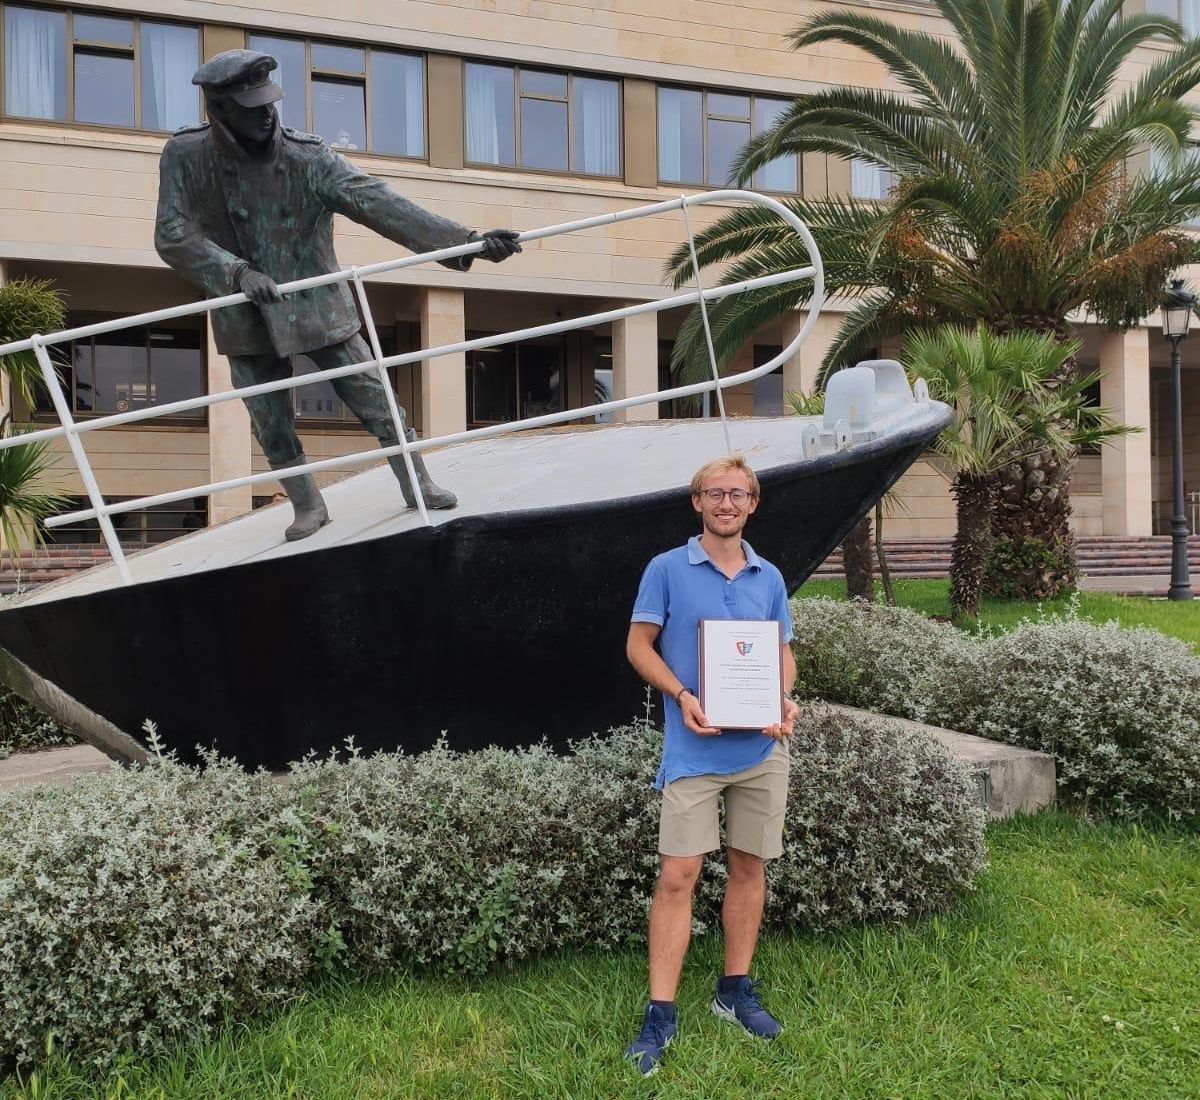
1177,306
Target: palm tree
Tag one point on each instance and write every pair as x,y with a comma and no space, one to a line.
1011,402
1013,204
26,306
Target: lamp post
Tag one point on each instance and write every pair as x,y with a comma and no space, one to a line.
1177,308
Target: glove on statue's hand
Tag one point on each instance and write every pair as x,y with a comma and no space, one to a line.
258,287
498,244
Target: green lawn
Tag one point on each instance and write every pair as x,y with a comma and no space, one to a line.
1180,619
1070,973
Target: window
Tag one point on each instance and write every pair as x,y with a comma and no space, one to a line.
768,390
514,381
142,527
319,402
870,181
1187,12
549,121
99,69
355,97
1159,164
131,369
701,132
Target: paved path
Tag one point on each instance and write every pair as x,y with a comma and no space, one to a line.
51,766
1142,585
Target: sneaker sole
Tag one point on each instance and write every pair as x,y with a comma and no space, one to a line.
723,1013
657,1065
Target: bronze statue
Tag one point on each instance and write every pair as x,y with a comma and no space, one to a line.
245,204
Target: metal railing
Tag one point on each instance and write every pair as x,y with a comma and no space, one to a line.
101,510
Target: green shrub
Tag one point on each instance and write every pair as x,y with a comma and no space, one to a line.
24,727
142,904
871,655
1119,709
137,905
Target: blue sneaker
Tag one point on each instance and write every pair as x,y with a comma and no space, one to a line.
658,1029
741,1005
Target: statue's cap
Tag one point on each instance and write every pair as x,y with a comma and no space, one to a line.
243,75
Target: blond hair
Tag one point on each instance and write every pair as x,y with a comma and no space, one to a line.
725,466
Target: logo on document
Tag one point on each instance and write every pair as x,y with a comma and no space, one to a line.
744,648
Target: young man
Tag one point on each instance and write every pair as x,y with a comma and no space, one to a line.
716,575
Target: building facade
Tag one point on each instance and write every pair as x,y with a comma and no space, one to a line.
516,115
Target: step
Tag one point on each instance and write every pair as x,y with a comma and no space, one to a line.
1011,780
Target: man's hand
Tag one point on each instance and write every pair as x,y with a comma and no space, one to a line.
258,287
783,730
694,718
499,244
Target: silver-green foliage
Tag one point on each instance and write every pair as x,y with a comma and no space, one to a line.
148,904
1118,708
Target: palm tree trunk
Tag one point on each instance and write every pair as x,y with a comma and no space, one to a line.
885,574
856,561
973,500
1033,552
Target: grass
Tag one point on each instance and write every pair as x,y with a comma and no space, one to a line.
1069,973
1179,619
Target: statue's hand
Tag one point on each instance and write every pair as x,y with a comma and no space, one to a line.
258,287
499,244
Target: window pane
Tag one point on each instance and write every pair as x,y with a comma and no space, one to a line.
83,362
397,103
869,181
170,55
541,83
35,63
490,114
176,366
121,383
736,106
492,380
544,134
779,175
340,113
103,88
680,136
596,126
290,76
317,401
725,140
541,377
102,28
344,59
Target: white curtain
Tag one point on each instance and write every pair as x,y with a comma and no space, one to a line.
414,107
483,133
670,135
596,106
869,181
31,51
1189,16
169,57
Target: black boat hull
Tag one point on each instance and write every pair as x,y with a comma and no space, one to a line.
497,629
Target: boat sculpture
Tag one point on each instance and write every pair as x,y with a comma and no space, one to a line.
500,622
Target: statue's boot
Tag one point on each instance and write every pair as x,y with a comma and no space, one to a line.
435,497
308,507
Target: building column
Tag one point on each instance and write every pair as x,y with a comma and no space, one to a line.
800,371
1125,473
635,364
228,438
444,379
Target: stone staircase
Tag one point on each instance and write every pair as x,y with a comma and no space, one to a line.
24,569
1099,556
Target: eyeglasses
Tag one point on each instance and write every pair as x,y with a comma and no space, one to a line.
736,496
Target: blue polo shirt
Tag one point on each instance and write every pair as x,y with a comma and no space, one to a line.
678,589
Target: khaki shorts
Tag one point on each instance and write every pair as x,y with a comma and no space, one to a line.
754,804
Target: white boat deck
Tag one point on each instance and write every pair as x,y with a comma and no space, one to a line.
510,473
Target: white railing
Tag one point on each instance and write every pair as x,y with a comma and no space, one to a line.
101,510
